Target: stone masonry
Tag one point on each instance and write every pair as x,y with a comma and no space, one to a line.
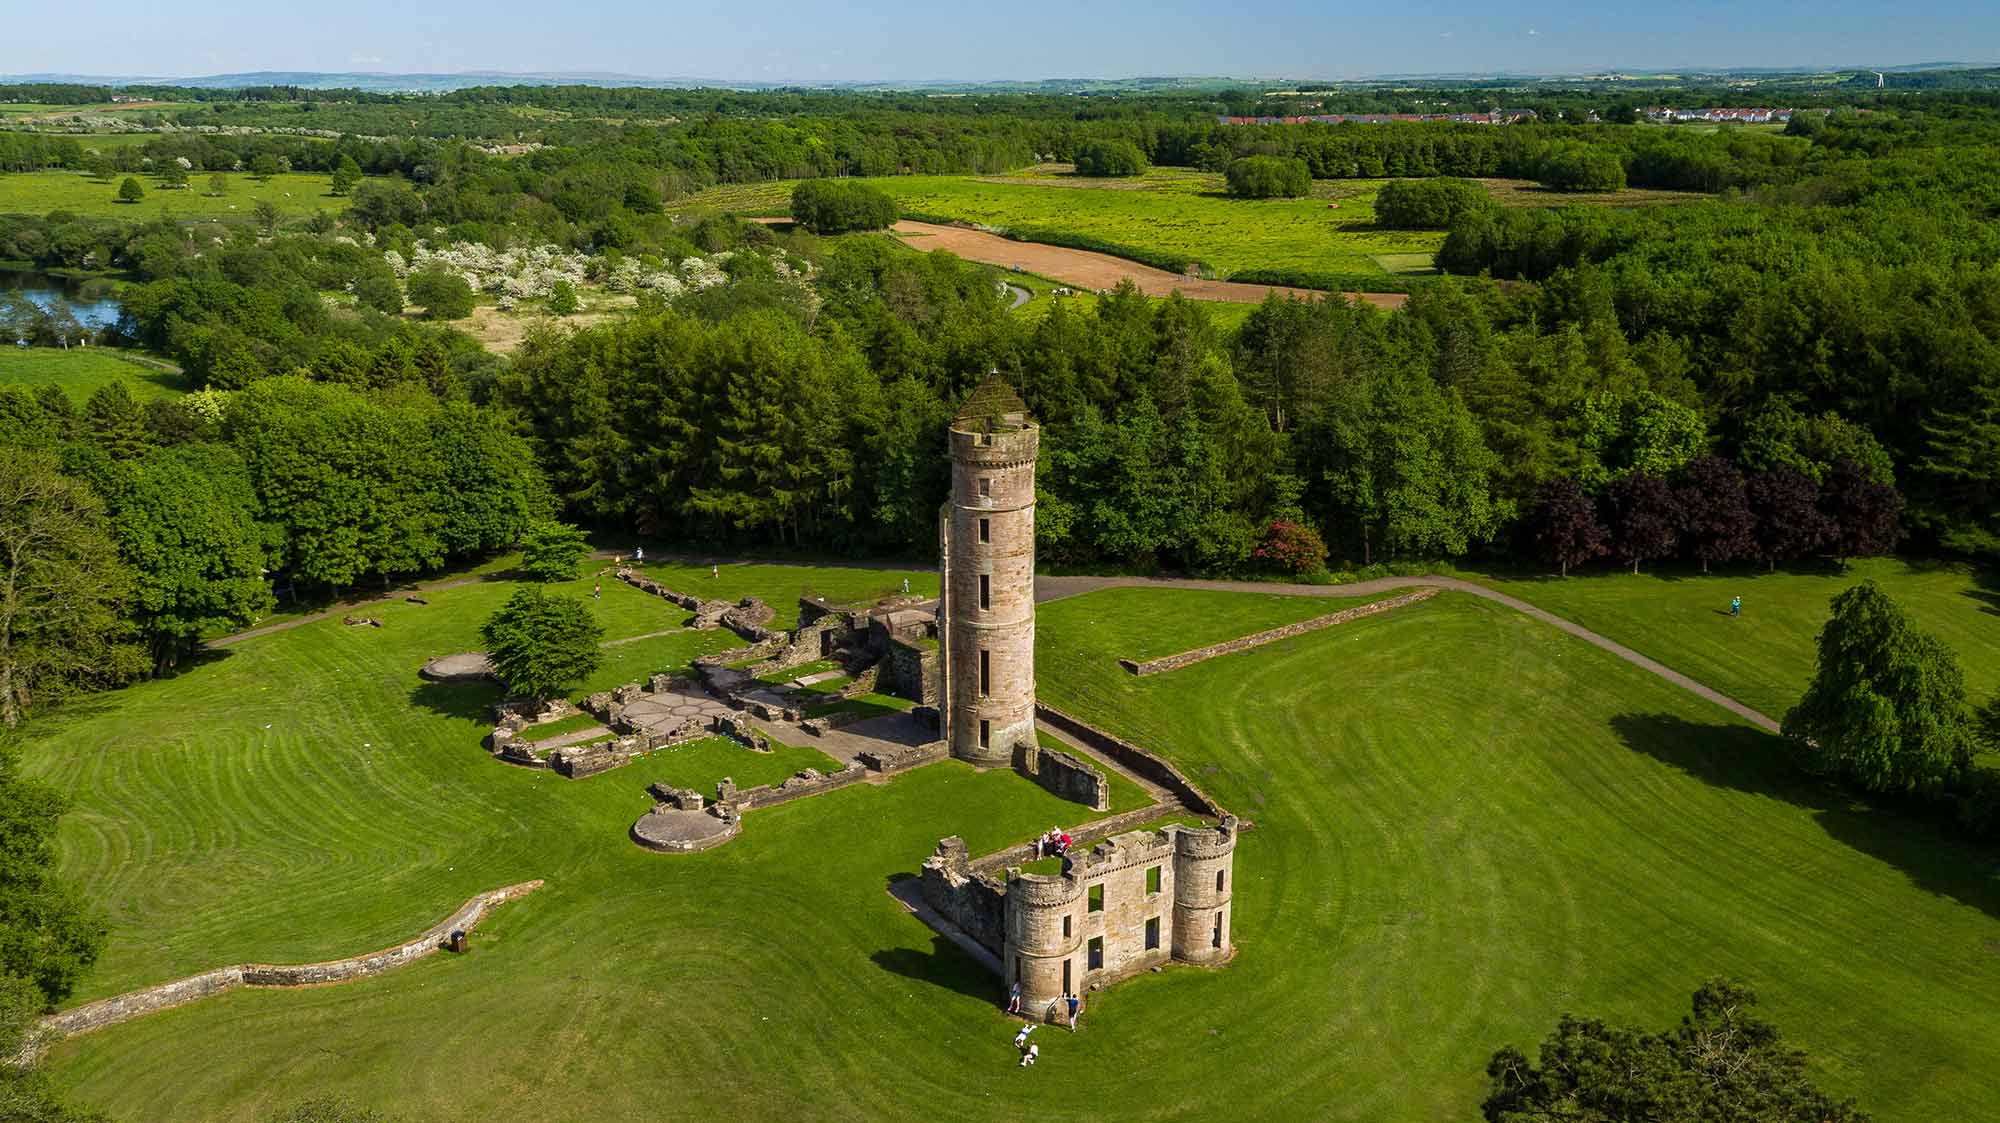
988,578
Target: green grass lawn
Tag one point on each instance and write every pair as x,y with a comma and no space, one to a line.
1765,657
1467,824
295,194
1167,210
550,730
81,370
780,585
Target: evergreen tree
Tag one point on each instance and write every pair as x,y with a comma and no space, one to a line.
553,551
115,422
539,643
1886,708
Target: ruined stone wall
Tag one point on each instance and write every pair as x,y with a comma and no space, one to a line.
974,904
911,670
807,782
123,1007
1132,757
1245,643
1072,779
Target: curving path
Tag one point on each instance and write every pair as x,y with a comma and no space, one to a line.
1056,588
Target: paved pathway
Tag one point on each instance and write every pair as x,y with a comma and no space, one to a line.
1055,588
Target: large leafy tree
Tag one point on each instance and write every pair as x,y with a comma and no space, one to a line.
1643,514
1716,521
1861,513
1565,525
48,936
1789,523
1886,708
62,589
1722,1064
553,551
539,643
184,524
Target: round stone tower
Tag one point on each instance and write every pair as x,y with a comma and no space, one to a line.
1044,931
1204,879
989,578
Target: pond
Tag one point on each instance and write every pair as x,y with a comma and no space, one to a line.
91,300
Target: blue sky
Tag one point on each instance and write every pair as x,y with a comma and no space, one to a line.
773,40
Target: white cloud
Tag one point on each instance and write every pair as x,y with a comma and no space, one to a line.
1532,31
364,60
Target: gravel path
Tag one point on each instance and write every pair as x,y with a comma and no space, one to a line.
1093,271
1055,588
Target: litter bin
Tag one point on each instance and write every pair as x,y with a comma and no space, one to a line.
457,941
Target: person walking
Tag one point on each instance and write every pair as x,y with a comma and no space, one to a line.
906,586
639,556
1074,1003
714,571
1014,1002
1736,606
597,591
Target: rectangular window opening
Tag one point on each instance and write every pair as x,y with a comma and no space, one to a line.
986,530
1066,920
1153,880
985,591
985,672
1217,939
986,488
985,733
1096,899
1017,968
1096,953
1153,934
1218,881
1066,983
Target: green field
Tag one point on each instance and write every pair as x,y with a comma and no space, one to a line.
1167,210
1467,823
81,370
1764,659
780,585
41,192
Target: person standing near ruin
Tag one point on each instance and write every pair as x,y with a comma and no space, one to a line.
1014,1003
1074,1004
639,556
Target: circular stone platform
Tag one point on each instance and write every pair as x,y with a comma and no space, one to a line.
682,832
466,666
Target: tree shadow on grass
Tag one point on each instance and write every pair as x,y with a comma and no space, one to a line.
470,701
1916,838
943,966
1986,590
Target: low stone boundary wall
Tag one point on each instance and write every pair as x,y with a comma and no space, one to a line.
808,781
890,761
124,1007
1134,758
1245,643
1072,779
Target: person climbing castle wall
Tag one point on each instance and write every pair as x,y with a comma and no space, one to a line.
988,578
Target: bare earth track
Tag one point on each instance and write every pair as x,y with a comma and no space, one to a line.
1093,271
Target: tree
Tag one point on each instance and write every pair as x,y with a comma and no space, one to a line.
445,295
345,176
62,589
1644,519
184,523
539,643
26,1093
1861,514
1722,1064
173,178
553,551
263,167
218,185
1428,204
1292,547
1565,525
1109,158
267,216
1716,522
1886,708
826,206
115,421
1268,177
562,298
48,935
131,191
380,292
1789,523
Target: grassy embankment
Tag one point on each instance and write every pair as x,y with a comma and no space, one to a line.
81,370
295,195
1467,824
